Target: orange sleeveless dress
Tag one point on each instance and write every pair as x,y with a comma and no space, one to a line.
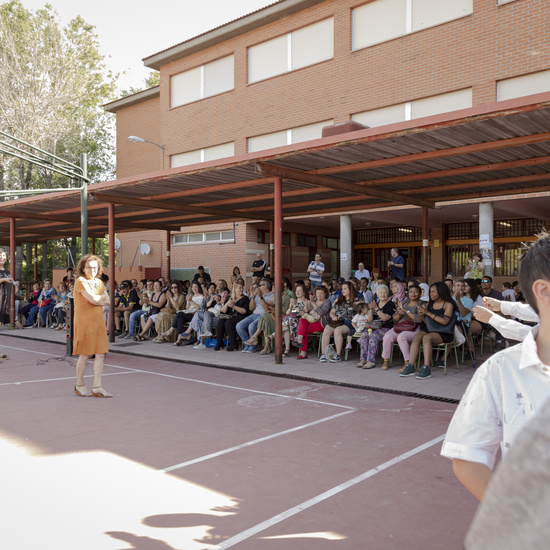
90,333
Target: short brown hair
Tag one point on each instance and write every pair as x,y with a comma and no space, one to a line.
535,264
87,258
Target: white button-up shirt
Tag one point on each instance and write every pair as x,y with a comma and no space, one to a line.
506,392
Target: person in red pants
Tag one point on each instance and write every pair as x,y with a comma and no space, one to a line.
315,320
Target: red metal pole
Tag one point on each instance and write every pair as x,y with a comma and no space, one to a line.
271,252
278,268
111,214
425,243
35,260
12,269
168,262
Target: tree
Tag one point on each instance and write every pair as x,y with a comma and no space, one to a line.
53,82
52,85
150,82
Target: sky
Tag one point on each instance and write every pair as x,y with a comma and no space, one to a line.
129,31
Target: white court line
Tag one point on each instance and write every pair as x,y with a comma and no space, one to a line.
323,496
208,383
235,387
58,379
253,442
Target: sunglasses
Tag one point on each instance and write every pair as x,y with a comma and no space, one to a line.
485,281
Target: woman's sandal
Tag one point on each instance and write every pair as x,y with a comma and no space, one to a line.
102,393
266,350
302,356
286,353
386,364
361,364
3,356
252,342
139,338
79,393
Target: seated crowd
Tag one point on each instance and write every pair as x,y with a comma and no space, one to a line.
372,311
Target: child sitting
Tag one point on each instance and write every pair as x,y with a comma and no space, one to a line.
359,323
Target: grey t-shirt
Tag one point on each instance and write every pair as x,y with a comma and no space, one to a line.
514,512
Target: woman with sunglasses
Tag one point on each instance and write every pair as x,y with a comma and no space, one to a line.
175,301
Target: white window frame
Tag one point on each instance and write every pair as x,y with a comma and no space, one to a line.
408,25
202,82
202,153
182,239
289,67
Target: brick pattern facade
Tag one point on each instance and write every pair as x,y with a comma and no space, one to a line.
493,43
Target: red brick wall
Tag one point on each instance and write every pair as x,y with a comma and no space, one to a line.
493,43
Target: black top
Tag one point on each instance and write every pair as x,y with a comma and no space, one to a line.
259,263
205,277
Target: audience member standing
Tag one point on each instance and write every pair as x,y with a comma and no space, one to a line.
316,269
258,266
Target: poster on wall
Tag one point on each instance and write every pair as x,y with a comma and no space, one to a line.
486,249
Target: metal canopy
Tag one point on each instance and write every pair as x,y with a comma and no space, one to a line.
486,151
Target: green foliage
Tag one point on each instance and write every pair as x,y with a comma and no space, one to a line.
150,82
53,82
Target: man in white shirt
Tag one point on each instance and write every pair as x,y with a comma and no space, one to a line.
508,389
316,269
362,273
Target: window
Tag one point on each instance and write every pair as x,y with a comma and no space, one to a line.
203,155
263,236
388,235
428,106
306,240
300,48
523,85
500,2
210,237
384,20
204,81
287,137
521,227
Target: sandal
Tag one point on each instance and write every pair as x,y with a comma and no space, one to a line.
79,393
361,364
302,357
3,356
266,350
138,338
251,342
368,365
402,369
386,364
102,393
286,353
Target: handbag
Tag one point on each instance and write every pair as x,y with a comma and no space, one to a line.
312,317
375,325
434,326
338,323
404,325
44,303
214,311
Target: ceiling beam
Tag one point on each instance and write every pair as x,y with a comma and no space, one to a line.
146,203
440,153
511,164
304,177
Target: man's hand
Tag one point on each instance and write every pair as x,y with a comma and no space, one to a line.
482,314
491,304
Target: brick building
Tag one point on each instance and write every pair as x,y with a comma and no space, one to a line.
279,75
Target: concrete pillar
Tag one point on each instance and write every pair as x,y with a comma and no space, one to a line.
346,246
486,246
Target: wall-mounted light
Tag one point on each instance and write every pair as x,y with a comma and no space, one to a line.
136,139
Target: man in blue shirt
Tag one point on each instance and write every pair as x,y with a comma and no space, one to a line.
396,264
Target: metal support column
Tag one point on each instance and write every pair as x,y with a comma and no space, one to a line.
35,262
12,269
271,252
168,262
277,270
111,214
486,236
93,245
84,204
425,243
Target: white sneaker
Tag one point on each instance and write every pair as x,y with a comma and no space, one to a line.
206,334
199,346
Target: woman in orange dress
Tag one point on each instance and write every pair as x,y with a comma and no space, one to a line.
90,335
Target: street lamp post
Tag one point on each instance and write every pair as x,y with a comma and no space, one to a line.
136,139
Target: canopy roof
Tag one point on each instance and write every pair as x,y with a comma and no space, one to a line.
491,150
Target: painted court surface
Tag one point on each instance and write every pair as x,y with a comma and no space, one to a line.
188,457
